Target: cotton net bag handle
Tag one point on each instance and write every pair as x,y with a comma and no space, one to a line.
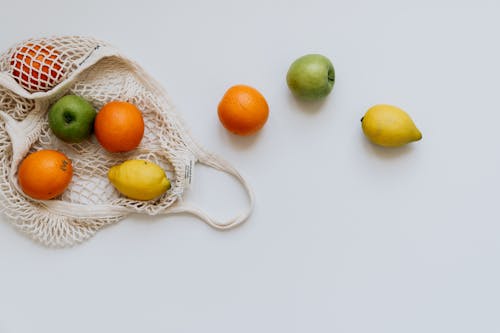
217,163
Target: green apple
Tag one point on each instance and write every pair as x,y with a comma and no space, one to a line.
71,118
311,77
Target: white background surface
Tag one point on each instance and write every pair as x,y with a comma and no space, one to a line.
346,237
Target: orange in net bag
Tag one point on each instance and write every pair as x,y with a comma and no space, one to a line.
37,67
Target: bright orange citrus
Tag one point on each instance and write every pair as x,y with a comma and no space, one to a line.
119,126
45,174
37,67
243,110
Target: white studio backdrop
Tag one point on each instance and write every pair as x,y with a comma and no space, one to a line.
345,237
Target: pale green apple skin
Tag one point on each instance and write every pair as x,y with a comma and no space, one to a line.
311,77
71,118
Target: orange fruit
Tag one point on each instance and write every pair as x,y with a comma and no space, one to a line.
119,126
243,110
37,67
45,174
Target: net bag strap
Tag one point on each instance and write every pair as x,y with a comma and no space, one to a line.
220,164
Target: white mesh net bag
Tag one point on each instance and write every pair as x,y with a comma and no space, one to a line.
36,73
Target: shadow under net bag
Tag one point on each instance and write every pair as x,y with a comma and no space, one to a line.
36,73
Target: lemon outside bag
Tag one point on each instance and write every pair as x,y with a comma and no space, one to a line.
99,73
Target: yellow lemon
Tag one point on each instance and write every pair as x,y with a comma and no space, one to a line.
389,126
139,179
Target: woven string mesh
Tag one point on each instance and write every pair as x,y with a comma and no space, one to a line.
58,72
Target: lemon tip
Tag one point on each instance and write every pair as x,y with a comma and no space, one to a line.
112,173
